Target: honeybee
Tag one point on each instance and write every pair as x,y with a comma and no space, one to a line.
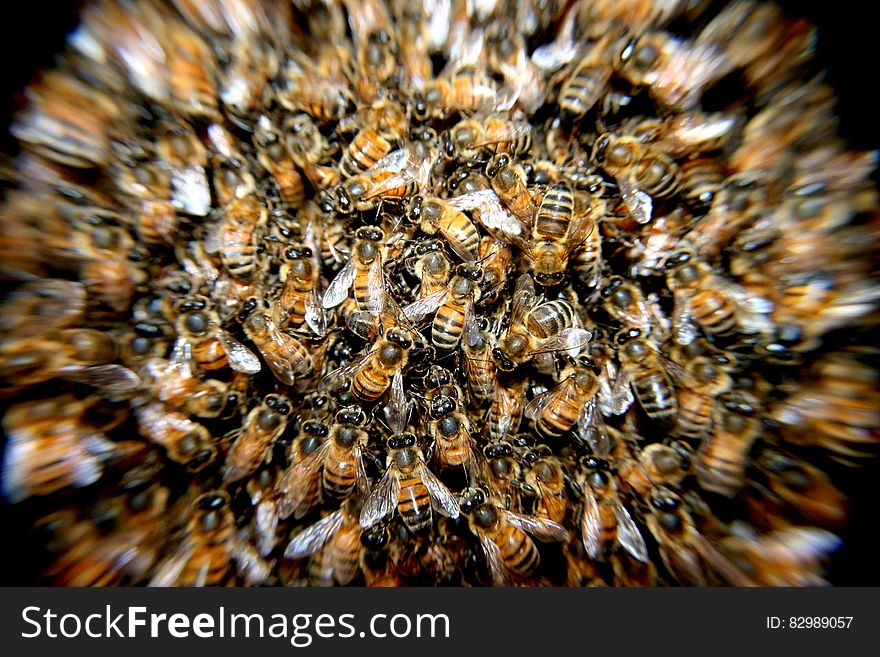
363,271
709,301
454,306
722,458
504,536
507,56
211,551
275,157
144,341
605,522
508,180
644,369
50,446
702,179
547,477
186,442
538,328
492,133
181,149
410,487
203,340
191,73
299,299
438,216
174,383
466,91
494,257
262,489
285,354
588,79
263,425
236,235
365,149
311,151
377,64
233,178
431,267
336,467
42,305
505,413
392,179
705,381
642,172
626,303
688,556
451,429
479,365
106,268
333,543
571,402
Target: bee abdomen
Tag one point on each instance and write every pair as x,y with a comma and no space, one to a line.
656,395
447,327
551,318
518,552
414,504
714,313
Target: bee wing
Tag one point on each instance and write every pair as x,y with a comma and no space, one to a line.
190,191
497,569
241,359
397,409
421,308
316,315
570,342
281,367
382,501
110,378
442,499
510,411
637,201
591,525
360,474
684,328
335,376
337,292
541,528
523,299
753,310
621,395
457,245
582,226
266,521
591,429
376,281
299,482
561,391
628,534
313,538
494,217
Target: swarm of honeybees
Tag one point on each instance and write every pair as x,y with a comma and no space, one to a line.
425,292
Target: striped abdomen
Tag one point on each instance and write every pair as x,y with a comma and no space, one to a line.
209,355
338,561
554,215
721,463
339,474
655,393
550,318
517,550
558,418
448,324
714,312
371,380
584,88
367,148
414,503
694,413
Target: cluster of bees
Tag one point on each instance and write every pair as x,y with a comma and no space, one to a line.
427,292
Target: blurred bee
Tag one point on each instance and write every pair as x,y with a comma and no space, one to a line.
143,341
311,151
203,340
299,297
605,523
688,556
792,484
504,536
569,403
265,499
253,443
106,268
377,64
50,446
438,216
626,304
236,235
547,477
705,381
466,91
392,179
232,178
181,149
477,344
191,73
587,79
538,328
507,56
722,458
42,305
211,551
642,172
454,445
286,355
186,442
707,300
363,271
335,467
333,543
174,383
492,133
702,179
658,464
275,157
643,370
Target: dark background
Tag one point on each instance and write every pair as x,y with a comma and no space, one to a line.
33,31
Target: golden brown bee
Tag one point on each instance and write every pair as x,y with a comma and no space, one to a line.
505,413
547,477
106,269
454,446
204,341
438,216
626,304
191,73
377,63
456,306
333,543
643,371
263,425
509,182
365,149
392,179
723,456
710,302
705,381
299,297
468,90
379,557
236,235
375,371
324,99
50,446
688,556
605,522
335,467
408,486
570,403
42,305
491,133
286,355
431,266
504,536
477,344
642,172
175,384
211,551
537,328
275,157
587,79
702,179
186,442
363,271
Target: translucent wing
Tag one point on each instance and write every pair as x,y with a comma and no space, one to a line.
111,378
628,534
397,410
376,285
621,395
299,483
421,308
337,292
457,245
382,501
334,377
169,572
541,528
190,191
281,367
241,359
494,217
313,538
591,429
570,341
591,524
266,521
499,572
441,498
523,299
684,329
637,201
510,411
562,391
